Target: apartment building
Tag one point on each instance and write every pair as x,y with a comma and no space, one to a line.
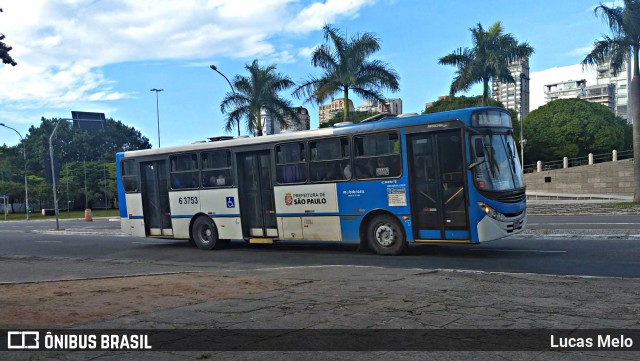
327,111
514,95
271,125
393,106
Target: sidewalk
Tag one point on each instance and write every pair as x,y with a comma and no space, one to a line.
357,298
579,207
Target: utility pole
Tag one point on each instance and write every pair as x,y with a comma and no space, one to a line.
157,111
523,77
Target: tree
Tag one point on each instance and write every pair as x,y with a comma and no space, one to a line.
255,94
573,128
489,59
354,117
4,51
346,68
452,103
616,49
75,150
14,190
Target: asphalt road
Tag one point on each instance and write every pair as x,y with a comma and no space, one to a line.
558,255
594,222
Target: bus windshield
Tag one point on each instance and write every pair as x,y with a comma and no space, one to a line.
496,166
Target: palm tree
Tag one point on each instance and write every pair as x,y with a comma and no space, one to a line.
616,50
489,59
4,51
256,94
346,68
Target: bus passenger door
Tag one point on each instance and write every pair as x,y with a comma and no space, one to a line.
258,212
155,198
438,195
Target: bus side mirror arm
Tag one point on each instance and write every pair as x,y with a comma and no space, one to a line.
475,164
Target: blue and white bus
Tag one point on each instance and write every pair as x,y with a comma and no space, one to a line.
452,176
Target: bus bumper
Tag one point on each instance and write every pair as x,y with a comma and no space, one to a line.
490,229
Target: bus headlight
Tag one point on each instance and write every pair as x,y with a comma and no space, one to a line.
491,212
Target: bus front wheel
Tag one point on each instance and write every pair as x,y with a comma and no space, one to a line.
386,235
205,234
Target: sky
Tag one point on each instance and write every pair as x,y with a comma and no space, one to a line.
106,55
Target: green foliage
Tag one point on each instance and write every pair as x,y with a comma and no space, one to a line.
256,93
14,190
488,59
346,68
452,103
573,128
11,164
4,51
71,148
354,117
72,184
39,190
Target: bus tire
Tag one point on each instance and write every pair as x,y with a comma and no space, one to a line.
386,235
205,234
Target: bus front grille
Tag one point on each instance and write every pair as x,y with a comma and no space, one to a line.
514,197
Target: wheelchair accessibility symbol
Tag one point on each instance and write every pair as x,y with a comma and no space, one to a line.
231,203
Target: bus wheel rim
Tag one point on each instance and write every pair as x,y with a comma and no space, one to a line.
385,235
205,234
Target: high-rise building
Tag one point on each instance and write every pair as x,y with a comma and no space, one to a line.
600,93
621,83
303,117
328,111
514,96
596,85
393,106
271,125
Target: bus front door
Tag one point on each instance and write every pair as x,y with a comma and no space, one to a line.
438,195
256,195
155,198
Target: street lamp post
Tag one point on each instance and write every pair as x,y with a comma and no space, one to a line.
24,155
157,112
523,77
214,68
53,172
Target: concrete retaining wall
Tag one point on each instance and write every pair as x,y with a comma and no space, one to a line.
614,178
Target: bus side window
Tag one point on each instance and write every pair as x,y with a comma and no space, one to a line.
129,176
290,163
329,160
216,169
377,156
184,171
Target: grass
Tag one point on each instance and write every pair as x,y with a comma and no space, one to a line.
623,205
62,214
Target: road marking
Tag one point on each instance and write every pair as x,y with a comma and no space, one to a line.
516,250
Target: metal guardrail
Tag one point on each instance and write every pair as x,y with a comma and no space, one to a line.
578,161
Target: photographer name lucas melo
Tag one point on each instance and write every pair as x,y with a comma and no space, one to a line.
606,341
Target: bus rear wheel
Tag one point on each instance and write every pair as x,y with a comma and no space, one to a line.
205,234
386,236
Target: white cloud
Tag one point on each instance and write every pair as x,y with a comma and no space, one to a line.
306,52
582,51
61,45
318,14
